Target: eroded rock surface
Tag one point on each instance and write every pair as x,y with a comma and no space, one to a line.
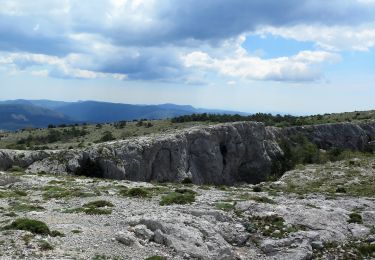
221,154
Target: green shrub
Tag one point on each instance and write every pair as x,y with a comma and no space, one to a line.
44,245
272,226
98,204
155,257
340,190
367,249
225,206
138,192
93,208
257,189
263,200
23,207
56,233
97,211
355,218
20,193
34,226
181,196
107,136
187,181
15,168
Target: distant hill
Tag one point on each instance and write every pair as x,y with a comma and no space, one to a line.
17,116
100,112
59,112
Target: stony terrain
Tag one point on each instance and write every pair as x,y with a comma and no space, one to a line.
313,212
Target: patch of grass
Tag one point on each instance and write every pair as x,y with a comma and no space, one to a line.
27,238
56,233
98,207
156,257
141,192
12,194
179,196
57,192
138,193
44,245
16,168
89,211
225,206
20,193
367,249
98,204
262,199
34,226
355,218
270,226
10,214
54,182
23,207
340,190
76,231
97,211
347,251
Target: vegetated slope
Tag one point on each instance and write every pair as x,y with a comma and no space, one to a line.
17,116
279,120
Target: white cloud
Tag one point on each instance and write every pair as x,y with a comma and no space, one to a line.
301,67
335,38
58,67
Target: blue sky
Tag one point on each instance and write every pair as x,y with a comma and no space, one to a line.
299,57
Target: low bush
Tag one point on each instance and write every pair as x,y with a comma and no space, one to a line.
155,257
99,207
225,206
179,196
355,218
340,190
98,204
44,245
138,193
34,226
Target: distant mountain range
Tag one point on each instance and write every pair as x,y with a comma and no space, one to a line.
20,113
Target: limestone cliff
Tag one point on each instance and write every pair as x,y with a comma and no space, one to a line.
220,154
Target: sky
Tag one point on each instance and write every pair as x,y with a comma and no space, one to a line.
290,56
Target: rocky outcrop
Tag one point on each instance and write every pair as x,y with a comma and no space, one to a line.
227,153
220,154
344,135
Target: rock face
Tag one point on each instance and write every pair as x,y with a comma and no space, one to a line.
220,154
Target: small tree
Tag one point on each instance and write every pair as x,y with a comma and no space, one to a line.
107,136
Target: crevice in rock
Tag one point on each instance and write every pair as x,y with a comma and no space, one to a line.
90,168
223,151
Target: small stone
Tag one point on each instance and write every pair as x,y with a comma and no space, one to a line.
317,244
125,237
143,232
159,237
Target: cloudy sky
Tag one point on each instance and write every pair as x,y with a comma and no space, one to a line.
290,56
